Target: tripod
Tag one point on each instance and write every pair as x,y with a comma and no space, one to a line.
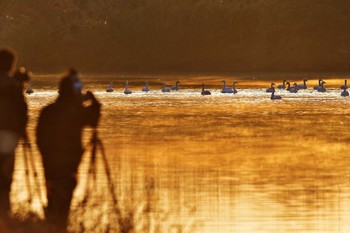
96,146
30,166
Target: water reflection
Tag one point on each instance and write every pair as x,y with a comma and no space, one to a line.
182,162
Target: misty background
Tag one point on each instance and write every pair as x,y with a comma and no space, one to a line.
175,35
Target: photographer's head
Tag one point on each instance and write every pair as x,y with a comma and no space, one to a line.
70,87
7,61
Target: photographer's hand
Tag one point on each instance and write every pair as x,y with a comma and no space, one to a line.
91,96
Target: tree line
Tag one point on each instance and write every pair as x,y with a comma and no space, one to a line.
171,35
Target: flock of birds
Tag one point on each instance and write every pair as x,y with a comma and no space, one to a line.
228,90
146,88
296,87
176,87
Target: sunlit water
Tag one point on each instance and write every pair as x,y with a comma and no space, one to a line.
182,162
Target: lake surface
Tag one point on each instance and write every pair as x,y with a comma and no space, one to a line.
182,162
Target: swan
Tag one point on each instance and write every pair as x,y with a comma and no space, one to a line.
205,92
110,88
176,87
164,88
271,88
146,88
226,89
322,88
344,92
29,88
294,89
288,86
273,96
282,86
127,91
234,87
319,84
345,86
303,86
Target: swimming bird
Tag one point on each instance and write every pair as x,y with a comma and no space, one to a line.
226,89
110,88
29,88
273,96
288,86
322,88
127,91
294,89
164,88
234,87
345,86
205,92
319,84
282,86
176,87
271,88
146,87
303,86
345,92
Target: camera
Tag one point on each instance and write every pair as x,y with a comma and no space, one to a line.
88,96
22,75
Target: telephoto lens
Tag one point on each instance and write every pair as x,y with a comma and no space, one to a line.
22,75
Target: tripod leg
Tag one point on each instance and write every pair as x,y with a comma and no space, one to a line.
36,178
26,165
110,182
91,171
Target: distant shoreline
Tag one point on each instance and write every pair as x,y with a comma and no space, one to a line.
263,76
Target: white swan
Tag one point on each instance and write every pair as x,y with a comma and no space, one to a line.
273,96
271,88
205,92
110,88
282,86
303,86
146,87
319,84
294,89
234,87
226,89
176,87
345,86
164,88
344,93
29,89
288,86
321,88
127,91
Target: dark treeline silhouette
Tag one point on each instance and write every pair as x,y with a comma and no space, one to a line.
194,35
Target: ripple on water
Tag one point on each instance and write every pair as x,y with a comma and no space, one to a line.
219,163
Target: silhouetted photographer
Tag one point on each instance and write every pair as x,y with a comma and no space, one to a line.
59,138
13,121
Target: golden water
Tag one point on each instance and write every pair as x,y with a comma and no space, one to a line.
182,162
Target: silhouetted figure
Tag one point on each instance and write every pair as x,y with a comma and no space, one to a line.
59,135
13,120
